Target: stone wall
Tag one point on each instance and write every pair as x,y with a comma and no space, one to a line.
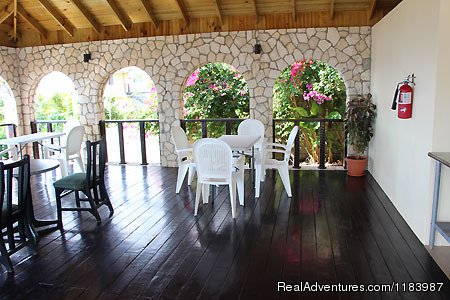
8,71
169,60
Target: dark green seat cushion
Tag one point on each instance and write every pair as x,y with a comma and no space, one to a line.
75,182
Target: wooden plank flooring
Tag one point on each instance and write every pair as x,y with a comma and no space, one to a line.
334,230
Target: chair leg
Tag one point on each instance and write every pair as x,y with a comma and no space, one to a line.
258,180
4,258
105,199
77,198
182,170
232,187
80,162
284,174
240,186
58,193
63,166
191,173
205,193
197,197
31,237
93,209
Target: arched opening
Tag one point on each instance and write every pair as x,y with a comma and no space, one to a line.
56,99
215,90
8,109
130,95
311,89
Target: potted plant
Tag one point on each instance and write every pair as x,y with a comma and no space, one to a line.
359,117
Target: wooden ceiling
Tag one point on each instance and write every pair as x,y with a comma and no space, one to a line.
43,22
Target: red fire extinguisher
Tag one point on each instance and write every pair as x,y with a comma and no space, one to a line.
405,94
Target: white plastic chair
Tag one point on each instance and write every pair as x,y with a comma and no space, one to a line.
255,127
71,151
282,166
63,140
216,166
184,153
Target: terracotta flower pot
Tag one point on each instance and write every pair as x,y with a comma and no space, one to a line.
356,166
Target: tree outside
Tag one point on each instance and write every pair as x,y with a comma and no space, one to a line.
311,89
215,90
130,94
56,99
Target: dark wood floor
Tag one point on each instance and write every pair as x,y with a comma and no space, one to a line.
334,230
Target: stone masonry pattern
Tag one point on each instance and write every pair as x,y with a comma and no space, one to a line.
169,61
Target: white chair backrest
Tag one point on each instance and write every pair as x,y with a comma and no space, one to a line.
214,159
74,140
69,125
290,143
252,127
67,128
179,138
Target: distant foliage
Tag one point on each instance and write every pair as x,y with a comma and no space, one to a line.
215,90
131,95
311,89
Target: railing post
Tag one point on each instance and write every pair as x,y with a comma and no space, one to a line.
121,143
322,145
228,127
12,130
204,129
33,125
102,128
297,147
142,138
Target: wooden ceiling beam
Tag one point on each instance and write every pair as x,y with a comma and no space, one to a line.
6,12
35,24
294,10
123,18
57,16
332,9
15,20
255,9
151,15
183,10
218,11
87,15
372,7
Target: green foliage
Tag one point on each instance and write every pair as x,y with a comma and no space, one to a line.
215,90
310,89
133,108
359,117
57,107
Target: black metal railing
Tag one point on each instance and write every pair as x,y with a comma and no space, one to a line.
142,137
322,137
204,124
45,126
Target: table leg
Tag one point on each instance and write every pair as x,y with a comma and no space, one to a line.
36,223
437,180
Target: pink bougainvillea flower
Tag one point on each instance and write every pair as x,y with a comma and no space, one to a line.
192,79
309,86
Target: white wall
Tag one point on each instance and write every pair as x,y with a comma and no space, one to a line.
405,42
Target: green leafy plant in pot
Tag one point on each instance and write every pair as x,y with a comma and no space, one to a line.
359,117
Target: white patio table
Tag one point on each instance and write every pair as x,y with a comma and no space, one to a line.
22,140
242,143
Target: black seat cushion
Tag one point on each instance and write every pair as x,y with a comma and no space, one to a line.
75,181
